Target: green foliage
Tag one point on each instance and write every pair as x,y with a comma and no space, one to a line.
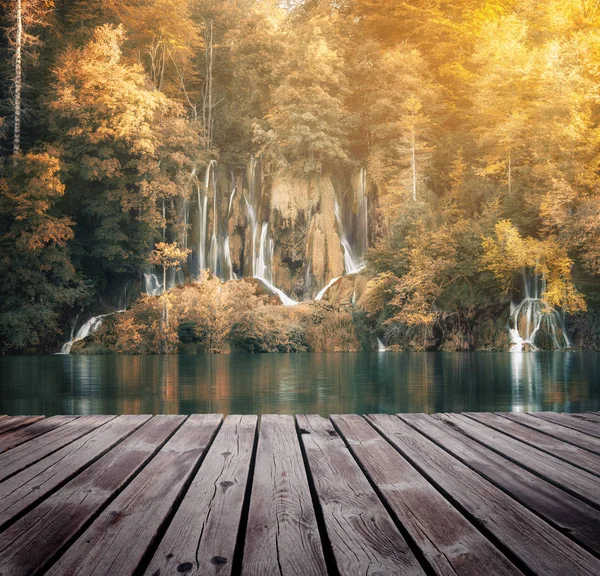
39,282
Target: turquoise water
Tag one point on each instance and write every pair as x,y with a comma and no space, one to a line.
301,383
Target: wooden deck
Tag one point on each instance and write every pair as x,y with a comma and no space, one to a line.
450,494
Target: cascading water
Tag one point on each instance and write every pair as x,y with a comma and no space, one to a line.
352,265
531,315
152,285
87,328
381,347
203,214
321,293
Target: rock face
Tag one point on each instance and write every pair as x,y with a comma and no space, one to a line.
297,233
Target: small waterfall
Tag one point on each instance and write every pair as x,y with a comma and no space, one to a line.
253,227
381,347
228,263
88,327
321,293
152,285
261,267
226,249
203,213
531,315
351,264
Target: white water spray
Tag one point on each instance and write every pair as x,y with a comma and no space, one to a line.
531,314
87,328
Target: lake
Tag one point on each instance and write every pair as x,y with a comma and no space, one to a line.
323,384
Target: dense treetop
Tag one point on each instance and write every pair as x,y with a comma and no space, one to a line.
477,121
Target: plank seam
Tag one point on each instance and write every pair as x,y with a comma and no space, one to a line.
525,423
45,455
413,546
238,550
33,504
589,502
330,561
51,561
162,529
531,444
472,520
557,527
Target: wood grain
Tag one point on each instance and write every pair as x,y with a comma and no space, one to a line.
13,422
567,452
574,480
22,435
282,535
32,484
448,541
202,535
363,537
568,514
563,433
30,544
535,543
588,428
27,454
117,541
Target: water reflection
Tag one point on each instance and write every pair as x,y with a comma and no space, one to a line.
301,383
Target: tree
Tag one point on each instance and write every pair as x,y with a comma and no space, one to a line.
167,256
39,281
119,162
306,126
24,17
508,254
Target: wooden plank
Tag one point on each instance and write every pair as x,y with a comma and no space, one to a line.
202,535
566,513
447,540
574,480
535,543
13,422
282,535
27,454
588,428
363,537
22,435
126,531
567,452
557,430
32,543
587,417
32,484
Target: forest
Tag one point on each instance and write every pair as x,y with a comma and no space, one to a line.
262,175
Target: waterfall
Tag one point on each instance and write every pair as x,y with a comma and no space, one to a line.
262,265
87,328
228,263
351,264
261,269
231,195
252,218
381,347
362,213
203,214
530,315
152,285
321,293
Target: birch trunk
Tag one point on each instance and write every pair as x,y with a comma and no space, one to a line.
18,80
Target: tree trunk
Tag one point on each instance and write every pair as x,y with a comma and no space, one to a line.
208,105
18,80
414,163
